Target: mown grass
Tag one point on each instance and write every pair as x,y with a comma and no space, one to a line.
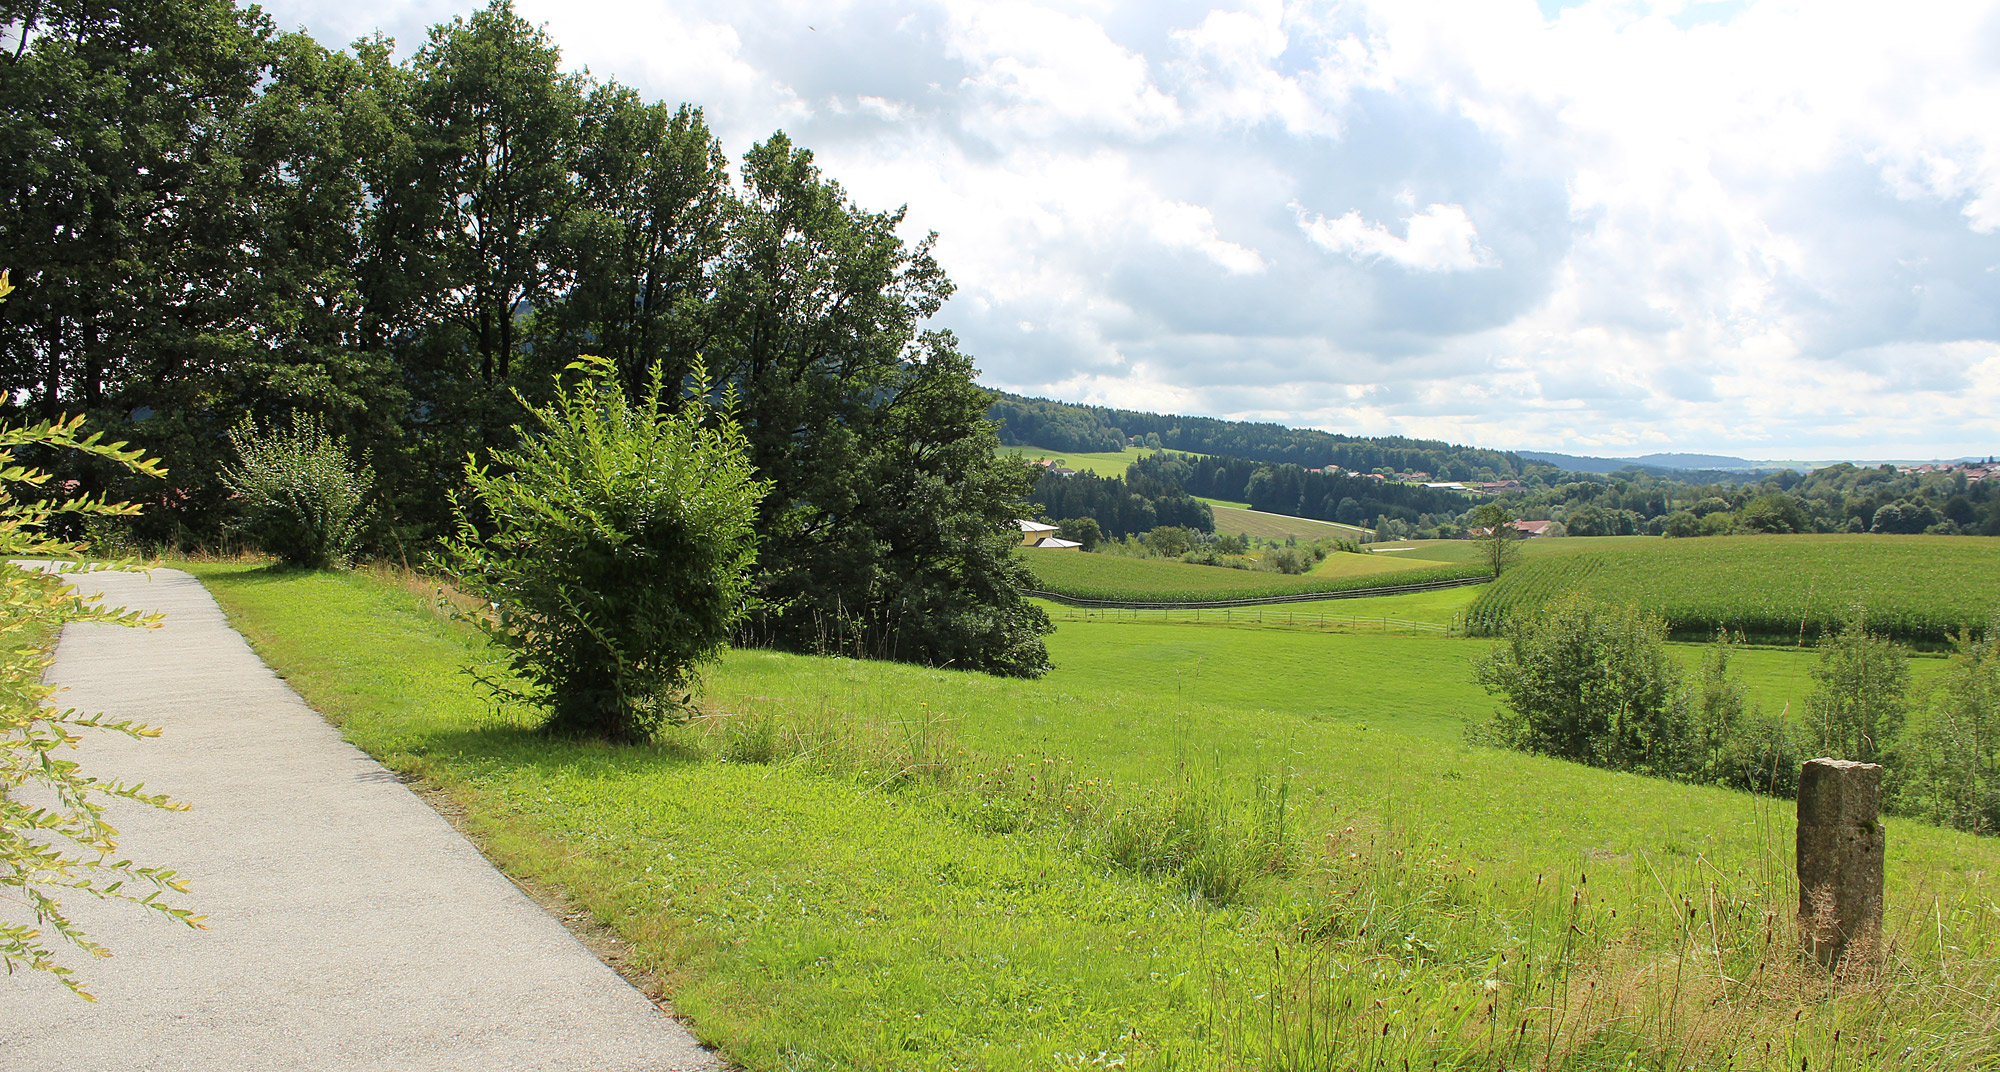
1916,588
1158,856
1101,463
1121,577
1236,519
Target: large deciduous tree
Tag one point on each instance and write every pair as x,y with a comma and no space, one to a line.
497,138
885,530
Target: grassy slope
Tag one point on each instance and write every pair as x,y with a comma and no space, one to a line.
1918,587
1103,464
1470,550
1235,519
809,921
1119,577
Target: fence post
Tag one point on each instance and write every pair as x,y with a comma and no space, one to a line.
1840,857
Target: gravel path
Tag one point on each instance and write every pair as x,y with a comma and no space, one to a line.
350,927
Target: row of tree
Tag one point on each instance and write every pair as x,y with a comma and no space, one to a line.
1119,507
1595,683
1838,498
208,219
1277,488
1065,426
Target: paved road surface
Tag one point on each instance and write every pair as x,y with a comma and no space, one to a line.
350,927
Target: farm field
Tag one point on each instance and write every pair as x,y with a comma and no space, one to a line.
1917,588
1119,577
1103,464
1236,519
991,912
1470,551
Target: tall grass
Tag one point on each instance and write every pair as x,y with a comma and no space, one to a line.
1388,950
971,898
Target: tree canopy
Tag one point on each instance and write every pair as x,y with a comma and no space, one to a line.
210,220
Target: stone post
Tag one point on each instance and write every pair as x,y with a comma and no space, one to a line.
1840,851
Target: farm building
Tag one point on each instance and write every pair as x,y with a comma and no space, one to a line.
1034,531
1051,543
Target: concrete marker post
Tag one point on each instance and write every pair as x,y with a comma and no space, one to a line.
1840,857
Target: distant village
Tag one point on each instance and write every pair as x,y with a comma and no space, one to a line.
1974,471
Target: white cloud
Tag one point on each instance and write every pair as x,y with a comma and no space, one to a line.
1769,227
1441,238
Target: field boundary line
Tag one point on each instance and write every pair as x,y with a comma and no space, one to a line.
1257,601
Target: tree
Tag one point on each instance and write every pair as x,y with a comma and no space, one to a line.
889,527
1681,524
1591,683
615,544
1499,541
496,148
1861,684
645,244
1082,530
1774,512
1170,541
120,187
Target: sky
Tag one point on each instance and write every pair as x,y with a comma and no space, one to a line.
1767,229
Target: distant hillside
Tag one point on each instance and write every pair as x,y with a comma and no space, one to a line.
1067,426
1653,463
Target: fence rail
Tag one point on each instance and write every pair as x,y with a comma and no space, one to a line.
1259,601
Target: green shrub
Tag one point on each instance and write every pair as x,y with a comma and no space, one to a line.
1589,682
1951,747
1862,682
303,492
615,546
60,844
1593,682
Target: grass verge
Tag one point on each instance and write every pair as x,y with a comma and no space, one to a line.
854,865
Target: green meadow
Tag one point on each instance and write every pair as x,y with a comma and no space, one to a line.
1237,519
1189,847
1101,463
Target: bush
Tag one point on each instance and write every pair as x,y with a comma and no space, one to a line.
61,843
1593,682
1861,684
616,553
303,492
1589,682
1951,750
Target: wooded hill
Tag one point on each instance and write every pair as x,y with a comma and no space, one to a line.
1041,422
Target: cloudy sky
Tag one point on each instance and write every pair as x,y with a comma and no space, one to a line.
1757,228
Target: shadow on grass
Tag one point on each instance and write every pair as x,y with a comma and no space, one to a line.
275,573
528,749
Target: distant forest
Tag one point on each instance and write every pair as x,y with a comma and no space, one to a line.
1272,468
1066,426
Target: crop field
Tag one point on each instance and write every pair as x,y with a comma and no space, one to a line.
1119,577
1916,588
1235,520
1471,551
1188,848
